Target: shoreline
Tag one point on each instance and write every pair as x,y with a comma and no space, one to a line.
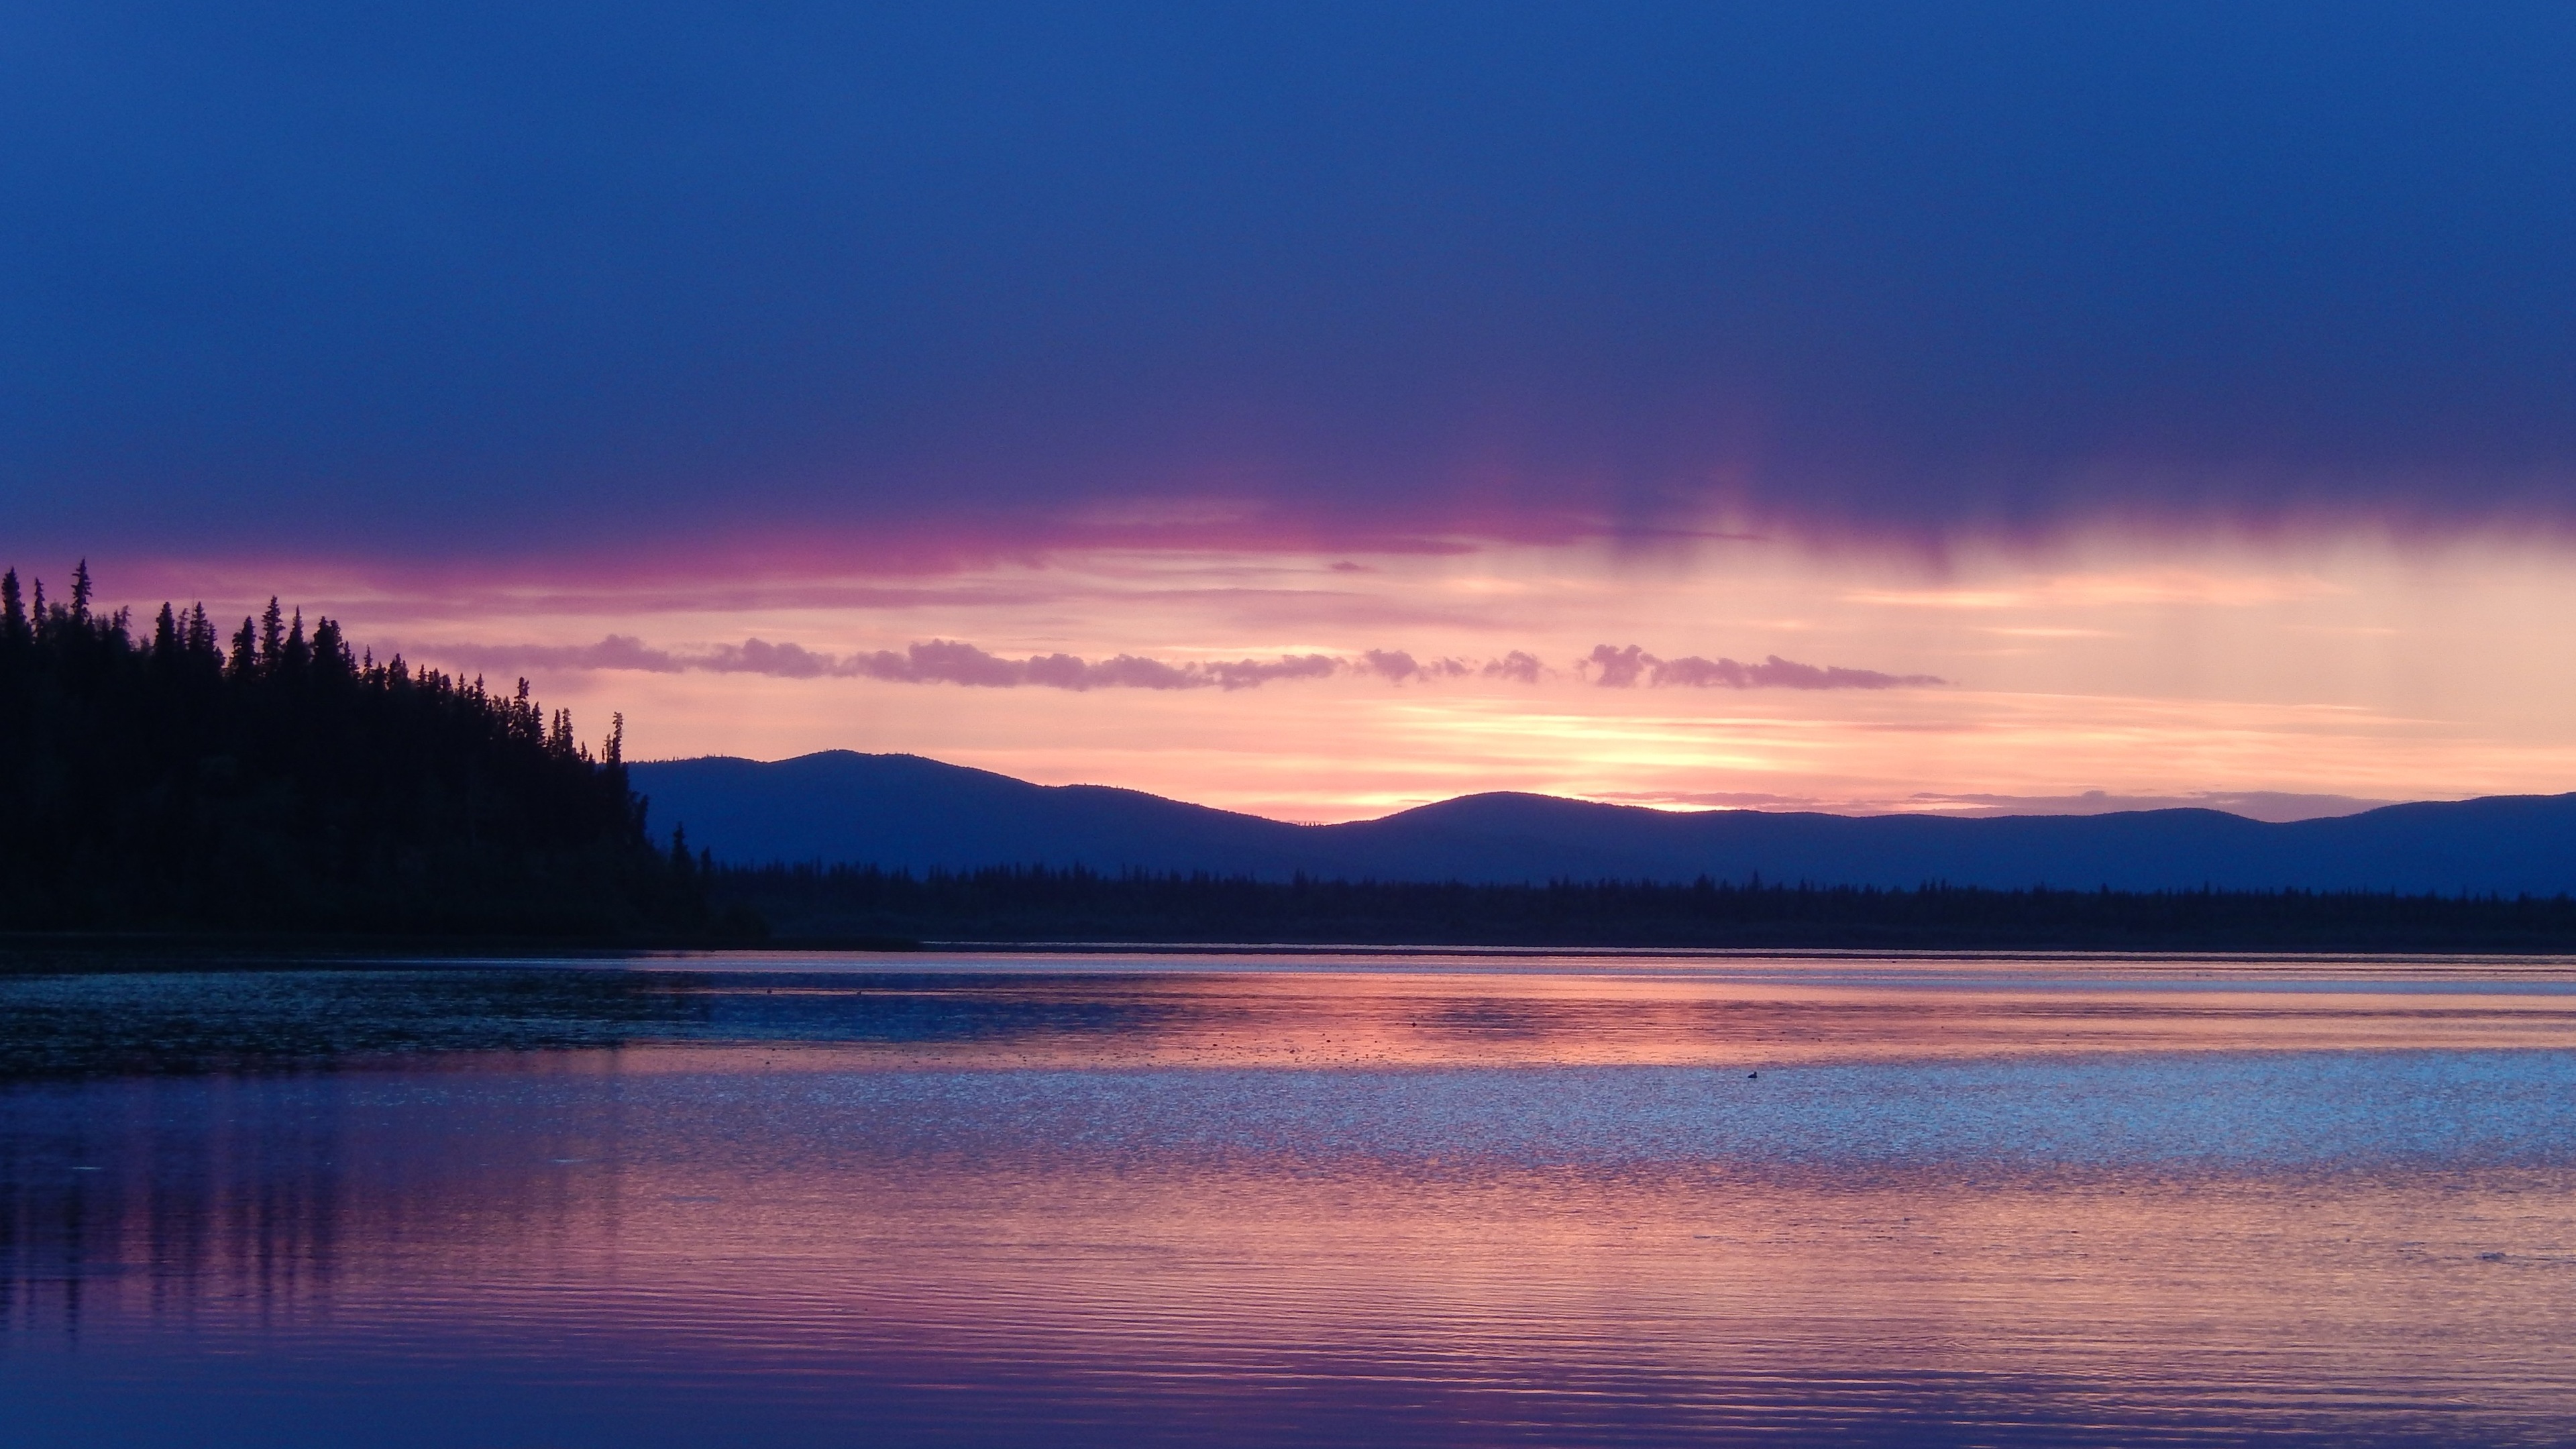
24,952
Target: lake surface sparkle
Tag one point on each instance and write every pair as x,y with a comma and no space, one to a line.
1399,1198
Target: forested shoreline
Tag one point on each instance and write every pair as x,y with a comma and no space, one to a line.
182,781
183,777
821,904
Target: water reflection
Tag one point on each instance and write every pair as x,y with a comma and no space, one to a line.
1034,1012
1290,1207
160,1020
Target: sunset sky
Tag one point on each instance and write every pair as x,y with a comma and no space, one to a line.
1322,409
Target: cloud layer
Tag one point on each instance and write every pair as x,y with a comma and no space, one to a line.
1627,668
951,661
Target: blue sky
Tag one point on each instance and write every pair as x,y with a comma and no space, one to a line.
429,280
2190,390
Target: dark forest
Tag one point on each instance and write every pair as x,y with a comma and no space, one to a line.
1034,904
174,778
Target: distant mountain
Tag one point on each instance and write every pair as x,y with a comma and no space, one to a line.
906,811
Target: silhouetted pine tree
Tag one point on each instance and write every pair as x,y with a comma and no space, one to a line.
13,612
158,783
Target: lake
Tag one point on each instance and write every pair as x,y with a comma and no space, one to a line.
1405,1198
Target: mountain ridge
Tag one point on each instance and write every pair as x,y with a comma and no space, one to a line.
910,812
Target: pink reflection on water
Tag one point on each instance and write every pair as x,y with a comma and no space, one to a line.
1748,1014
1249,1209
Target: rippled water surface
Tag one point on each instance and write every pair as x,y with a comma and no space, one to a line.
1392,1198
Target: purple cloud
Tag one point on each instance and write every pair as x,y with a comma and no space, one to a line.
758,656
953,661
617,651
950,661
1627,668
1245,673
1393,665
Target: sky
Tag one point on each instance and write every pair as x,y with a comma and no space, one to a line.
1321,409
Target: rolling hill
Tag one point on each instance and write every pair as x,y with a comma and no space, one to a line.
904,811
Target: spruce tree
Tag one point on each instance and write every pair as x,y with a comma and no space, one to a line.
154,783
272,636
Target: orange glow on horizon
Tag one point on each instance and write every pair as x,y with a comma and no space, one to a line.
2348,666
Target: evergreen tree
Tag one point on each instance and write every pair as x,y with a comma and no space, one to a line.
245,660
272,637
152,782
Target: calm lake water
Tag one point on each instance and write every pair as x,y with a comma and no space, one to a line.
1395,1198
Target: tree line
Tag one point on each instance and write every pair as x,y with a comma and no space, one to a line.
181,777
822,903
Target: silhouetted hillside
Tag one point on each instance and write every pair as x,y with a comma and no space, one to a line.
284,783
902,812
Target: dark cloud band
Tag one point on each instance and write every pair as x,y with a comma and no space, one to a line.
896,285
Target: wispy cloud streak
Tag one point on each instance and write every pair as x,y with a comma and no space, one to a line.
1397,666
951,661
1615,668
